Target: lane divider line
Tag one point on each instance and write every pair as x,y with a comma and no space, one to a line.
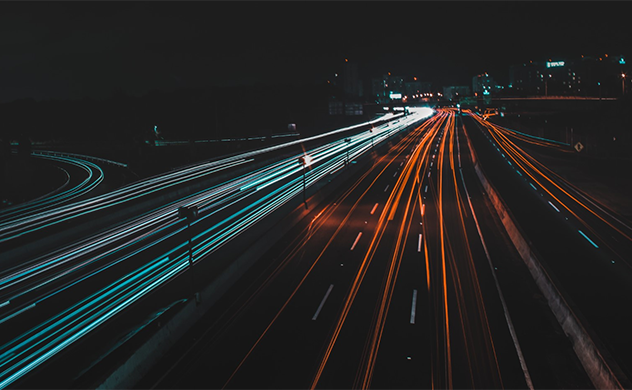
356,240
413,307
589,240
322,303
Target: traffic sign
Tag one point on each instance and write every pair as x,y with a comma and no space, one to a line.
579,147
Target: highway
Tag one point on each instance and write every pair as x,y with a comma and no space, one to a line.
82,177
24,223
584,246
391,284
55,301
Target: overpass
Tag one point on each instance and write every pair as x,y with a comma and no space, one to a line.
538,103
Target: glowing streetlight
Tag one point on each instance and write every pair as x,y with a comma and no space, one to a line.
623,83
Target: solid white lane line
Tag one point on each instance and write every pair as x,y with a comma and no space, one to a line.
413,307
419,244
386,189
322,303
356,240
373,209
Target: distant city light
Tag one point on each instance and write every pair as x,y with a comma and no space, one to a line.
554,64
395,95
621,61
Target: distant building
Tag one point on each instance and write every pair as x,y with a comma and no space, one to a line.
415,89
456,91
387,88
584,76
336,107
484,84
350,80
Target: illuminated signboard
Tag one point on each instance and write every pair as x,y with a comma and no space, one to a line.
554,64
394,95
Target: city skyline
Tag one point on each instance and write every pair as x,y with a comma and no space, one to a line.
94,49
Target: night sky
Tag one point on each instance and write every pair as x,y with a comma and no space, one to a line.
78,49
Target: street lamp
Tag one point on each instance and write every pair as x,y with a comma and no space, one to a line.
599,85
623,83
190,214
304,161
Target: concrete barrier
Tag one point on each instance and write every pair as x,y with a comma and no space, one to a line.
600,370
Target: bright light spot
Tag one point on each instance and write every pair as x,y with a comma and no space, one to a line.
308,160
554,64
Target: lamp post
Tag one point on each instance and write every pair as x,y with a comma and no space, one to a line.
599,85
622,84
304,161
190,214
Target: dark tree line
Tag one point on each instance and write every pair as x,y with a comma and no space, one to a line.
180,114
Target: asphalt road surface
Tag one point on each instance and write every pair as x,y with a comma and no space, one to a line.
405,280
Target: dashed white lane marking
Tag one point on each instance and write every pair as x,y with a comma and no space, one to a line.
413,308
322,303
356,240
